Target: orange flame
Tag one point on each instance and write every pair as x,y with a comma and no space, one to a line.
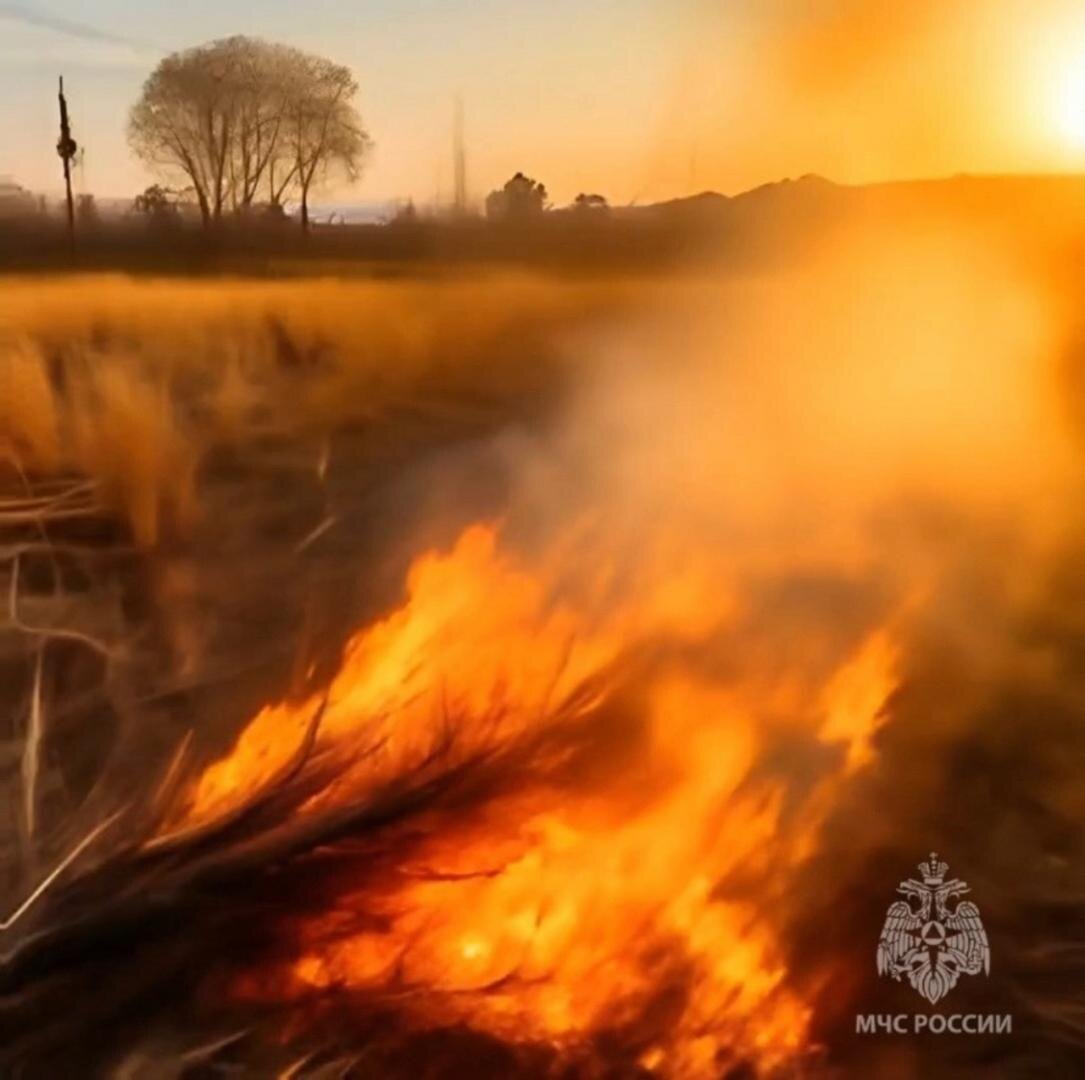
646,894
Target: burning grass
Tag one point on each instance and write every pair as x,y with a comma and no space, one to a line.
526,678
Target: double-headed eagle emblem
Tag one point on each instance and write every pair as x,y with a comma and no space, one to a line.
932,944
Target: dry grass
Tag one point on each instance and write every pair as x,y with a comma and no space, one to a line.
131,381
160,438
164,514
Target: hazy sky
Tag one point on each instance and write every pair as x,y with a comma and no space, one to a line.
638,99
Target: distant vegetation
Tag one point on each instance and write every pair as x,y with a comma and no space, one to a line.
245,122
519,200
160,232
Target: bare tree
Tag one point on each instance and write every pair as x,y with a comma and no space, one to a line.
324,132
242,115
183,121
259,107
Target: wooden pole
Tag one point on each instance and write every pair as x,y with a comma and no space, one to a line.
66,148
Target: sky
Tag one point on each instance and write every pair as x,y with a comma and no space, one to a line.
636,99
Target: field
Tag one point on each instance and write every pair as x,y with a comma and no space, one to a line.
489,672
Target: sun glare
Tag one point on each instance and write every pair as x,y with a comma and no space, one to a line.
1072,105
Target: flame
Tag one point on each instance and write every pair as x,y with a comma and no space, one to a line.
645,896
450,651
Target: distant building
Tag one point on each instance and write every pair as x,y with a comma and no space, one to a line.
14,199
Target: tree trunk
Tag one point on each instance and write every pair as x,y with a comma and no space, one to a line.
306,175
205,209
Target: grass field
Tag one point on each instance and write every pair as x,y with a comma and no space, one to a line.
131,381
491,673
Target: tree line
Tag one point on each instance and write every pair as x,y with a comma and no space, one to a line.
243,123
247,123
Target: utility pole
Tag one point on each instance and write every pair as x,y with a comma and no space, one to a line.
67,148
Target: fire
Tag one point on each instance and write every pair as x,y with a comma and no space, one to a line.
449,651
636,887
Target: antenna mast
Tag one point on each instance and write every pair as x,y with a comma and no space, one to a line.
459,158
67,148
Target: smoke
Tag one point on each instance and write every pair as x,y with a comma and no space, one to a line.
896,369
862,92
769,598
882,437
876,442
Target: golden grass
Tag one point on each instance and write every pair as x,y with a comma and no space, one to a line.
130,381
28,408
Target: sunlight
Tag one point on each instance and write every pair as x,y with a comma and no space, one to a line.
1071,106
